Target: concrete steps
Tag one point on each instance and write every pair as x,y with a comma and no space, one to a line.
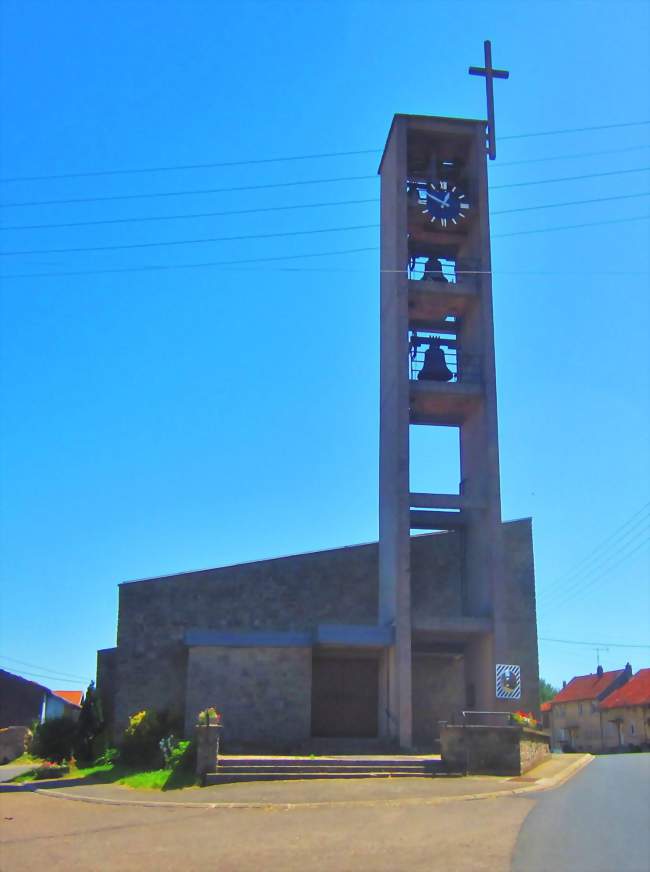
239,769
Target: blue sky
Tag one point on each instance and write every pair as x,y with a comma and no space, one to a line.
155,421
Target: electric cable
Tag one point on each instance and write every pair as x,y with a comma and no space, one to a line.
244,261
602,574
50,677
275,185
299,157
188,193
253,211
594,554
43,668
230,212
208,239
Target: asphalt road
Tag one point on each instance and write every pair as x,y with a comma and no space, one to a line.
598,822
8,772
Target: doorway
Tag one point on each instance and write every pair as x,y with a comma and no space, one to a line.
344,696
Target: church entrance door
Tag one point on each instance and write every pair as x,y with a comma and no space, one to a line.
344,697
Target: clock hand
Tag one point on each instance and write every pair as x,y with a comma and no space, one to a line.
444,202
438,200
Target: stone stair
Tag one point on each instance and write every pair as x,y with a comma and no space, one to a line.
233,769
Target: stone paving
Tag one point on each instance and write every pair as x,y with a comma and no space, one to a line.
335,791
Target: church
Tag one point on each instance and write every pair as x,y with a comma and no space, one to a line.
371,645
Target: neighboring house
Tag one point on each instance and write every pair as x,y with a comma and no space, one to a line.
22,702
575,711
545,709
625,714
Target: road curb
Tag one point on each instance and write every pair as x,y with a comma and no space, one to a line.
542,785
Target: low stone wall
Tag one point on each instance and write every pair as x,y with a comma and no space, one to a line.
12,742
534,748
491,750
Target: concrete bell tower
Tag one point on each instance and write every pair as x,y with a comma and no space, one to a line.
437,370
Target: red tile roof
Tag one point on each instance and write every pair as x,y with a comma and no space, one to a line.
73,696
545,707
635,692
586,686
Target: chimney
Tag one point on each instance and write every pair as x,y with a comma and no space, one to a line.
563,685
599,671
628,670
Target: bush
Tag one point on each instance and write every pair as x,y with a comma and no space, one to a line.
183,757
89,727
54,740
108,758
141,741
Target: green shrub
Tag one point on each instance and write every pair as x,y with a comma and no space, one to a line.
183,756
89,727
54,739
141,741
109,757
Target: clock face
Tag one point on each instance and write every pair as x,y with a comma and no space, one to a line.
446,205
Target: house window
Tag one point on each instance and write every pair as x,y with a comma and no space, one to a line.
579,708
594,706
631,729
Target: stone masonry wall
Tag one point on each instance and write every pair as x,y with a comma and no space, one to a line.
264,694
438,693
298,593
534,748
519,611
294,593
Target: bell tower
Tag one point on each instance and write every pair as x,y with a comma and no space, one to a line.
437,370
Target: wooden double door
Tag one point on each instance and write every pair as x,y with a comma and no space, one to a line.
345,697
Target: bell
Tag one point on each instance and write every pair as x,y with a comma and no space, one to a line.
435,366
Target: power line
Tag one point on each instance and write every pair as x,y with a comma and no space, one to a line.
196,166
187,193
265,209
572,226
207,239
51,677
601,575
570,203
288,233
579,568
601,562
273,185
37,666
574,156
570,178
167,267
592,644
252,211
266,260
575,130
284,159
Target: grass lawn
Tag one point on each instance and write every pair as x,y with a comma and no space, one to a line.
114,773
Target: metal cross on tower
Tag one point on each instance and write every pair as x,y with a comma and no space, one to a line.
490,73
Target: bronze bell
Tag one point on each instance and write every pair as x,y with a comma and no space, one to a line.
435,366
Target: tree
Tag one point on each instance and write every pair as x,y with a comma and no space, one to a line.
546,691
89,726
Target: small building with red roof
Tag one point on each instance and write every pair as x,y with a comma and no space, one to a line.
625,714
575,710
74,697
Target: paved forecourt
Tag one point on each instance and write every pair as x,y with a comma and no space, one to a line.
403,791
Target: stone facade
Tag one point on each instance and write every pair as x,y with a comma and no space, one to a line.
492,750
253,689
626,727
13,742
577,726
265,692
